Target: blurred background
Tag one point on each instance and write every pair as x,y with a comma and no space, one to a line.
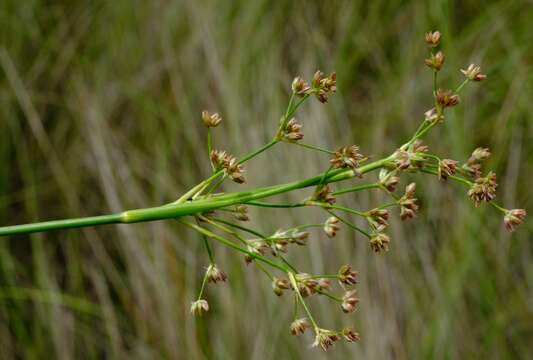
100,107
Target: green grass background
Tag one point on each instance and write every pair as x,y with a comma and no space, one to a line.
99,112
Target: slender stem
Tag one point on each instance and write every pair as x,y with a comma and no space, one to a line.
349,224
297,290
313,147
269,205
357,188
207,247
460,87
204,281
210,147
232,245
338,207
329,296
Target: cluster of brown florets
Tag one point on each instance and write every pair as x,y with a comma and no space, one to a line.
413,156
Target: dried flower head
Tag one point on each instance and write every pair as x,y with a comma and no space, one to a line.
211,120
447,167
218,158
378,218
418,146
324,194
472,169
347,157
324,85
435,61
299,326
350,334
349,301
446,98
473,72
402,159
299,86
483,189
347,276
241,213
278,285
479,154
388,180
331,226
514,218
379,242
257,247
199,307
325,338
433,38
234,170
293,131
432,115
407,202
307,285
214,274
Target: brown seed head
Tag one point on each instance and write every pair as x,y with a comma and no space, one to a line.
347,157
331,226
300,87
219,158
350,334
234,170
349,301
347,276
433,38
323,86
211,120
278,285
241,213
214,274
447,167
479,154
432,115
299,326
379,242
483,189
325,338
389,181
293,131
446,98
378,218
199,307
435,61
514,218
473,72
323,194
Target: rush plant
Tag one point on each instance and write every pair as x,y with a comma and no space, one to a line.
201,208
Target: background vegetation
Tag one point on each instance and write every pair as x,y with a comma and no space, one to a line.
100,107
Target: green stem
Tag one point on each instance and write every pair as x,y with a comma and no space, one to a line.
338,207
188,208
349,224
312,147
295,285
357,188
210,147
460,87
269,205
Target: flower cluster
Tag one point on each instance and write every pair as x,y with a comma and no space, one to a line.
231,166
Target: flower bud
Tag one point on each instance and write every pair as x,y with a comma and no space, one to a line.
211,120
479,154
278,285
199,307
299,86
214,274
432,115
514,218
241,213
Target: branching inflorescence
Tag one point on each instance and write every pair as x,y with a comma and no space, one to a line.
196,208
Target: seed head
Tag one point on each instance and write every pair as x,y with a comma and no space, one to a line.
241,213
378,218
446,98
278,285
324,85
407,202
293,236
293,131
402,159
479,154
347,157
349,301
199,307
379,242
435,61
432,115
331,226
214,274
325,338
258,247
323,194
483,189
299,86
389,181
299,326
447,168
211,120
350,334
514,218
234,170
473,72
433,38
307,286
218,158
418,146
347,276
